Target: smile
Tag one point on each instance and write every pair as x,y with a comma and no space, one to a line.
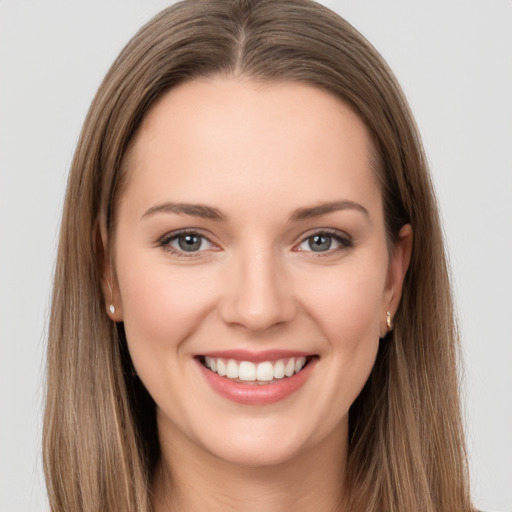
257,373
256,379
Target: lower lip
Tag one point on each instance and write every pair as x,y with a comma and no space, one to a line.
257,394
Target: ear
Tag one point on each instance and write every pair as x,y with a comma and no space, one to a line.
111,296
398,265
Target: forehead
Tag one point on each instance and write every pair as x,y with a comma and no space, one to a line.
239,137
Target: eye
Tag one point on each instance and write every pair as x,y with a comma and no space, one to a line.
324,241
185,242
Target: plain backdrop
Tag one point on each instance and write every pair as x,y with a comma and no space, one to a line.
454,61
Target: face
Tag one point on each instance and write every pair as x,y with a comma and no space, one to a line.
253,274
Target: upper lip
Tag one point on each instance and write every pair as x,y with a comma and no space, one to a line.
255,356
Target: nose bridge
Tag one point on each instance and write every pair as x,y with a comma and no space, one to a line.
260,295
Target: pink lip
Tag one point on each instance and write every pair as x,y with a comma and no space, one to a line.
256,394
255,357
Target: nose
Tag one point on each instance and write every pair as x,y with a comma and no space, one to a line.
259,295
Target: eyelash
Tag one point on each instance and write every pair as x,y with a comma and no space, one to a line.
344,241
166,240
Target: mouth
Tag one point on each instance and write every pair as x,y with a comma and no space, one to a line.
256,379
256,373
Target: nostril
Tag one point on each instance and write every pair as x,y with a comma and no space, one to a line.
258,315
257,294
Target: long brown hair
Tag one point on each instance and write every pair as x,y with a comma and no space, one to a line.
406,448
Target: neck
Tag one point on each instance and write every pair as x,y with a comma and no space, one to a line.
190,479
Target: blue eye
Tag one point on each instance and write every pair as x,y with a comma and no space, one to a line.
319,243
324,242
187,242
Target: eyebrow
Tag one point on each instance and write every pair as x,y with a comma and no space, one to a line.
194,209
324,208
209,212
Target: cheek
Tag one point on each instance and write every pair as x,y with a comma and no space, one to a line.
346,307
347,303
161,306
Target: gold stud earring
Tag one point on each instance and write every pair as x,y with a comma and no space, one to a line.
389,323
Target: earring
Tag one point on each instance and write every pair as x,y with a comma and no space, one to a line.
111,308
388,320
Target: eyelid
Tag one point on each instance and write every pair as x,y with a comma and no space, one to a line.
164,242
341,237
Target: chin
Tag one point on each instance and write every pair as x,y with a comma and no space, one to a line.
257,442
256,454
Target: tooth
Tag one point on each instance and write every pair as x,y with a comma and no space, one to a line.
247,371
279,370
221,367
289,369
264,371
232,369
299,364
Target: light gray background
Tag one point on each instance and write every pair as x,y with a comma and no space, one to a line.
454,60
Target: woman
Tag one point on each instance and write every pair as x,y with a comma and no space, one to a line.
252,309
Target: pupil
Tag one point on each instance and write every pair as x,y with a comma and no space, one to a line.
320,243
189,242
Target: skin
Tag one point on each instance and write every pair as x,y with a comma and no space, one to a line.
257,153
